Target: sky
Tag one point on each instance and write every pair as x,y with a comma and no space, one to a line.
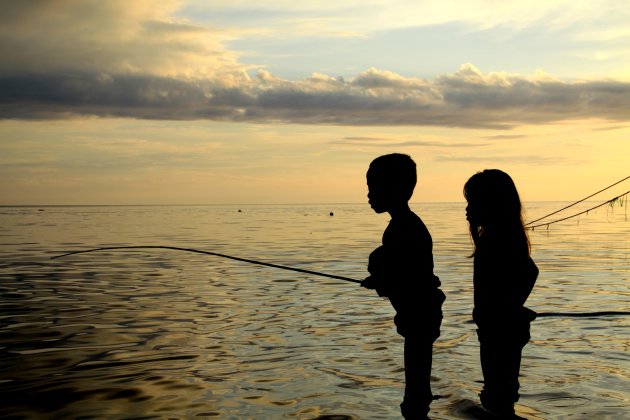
197,102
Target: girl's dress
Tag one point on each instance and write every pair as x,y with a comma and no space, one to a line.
503,279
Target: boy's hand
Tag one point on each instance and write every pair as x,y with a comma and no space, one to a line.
373,283
369,283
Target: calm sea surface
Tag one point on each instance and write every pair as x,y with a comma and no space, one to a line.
168,334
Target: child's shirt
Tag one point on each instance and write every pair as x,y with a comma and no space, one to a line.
503,280
402,269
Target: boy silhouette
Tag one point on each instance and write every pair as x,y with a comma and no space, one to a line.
402,270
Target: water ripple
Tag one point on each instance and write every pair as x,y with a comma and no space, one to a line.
172,335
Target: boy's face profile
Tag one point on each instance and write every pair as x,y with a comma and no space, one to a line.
378,194
376,199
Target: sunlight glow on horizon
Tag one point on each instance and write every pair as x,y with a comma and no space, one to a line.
71,162
196,103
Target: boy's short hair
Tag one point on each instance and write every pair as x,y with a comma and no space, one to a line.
398,171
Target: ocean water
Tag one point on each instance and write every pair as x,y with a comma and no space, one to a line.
168,334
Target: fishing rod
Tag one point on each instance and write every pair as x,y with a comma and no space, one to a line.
300,270
197,251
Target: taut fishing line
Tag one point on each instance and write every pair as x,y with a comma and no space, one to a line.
300,270
612,200
283,267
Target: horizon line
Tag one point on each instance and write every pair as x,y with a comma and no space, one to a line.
243,204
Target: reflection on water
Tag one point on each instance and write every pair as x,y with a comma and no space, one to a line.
168,334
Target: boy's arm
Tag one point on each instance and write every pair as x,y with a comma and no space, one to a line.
377,267
394,269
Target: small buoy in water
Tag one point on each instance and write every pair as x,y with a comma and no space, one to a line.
239,210
332,214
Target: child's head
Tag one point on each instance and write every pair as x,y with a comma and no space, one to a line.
492,198
391,180
494,206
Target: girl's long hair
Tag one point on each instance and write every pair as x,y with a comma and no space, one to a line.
498,204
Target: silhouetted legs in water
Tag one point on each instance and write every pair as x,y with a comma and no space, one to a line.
418,395
420,331
500,364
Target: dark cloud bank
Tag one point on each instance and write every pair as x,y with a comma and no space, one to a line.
466,98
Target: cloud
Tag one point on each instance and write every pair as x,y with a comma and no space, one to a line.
329,17
114,36
466,98
384,142
515,159
75,58
611,128
506,137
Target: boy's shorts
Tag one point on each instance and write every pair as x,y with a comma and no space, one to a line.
421,320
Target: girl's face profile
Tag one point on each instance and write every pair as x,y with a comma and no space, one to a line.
473,213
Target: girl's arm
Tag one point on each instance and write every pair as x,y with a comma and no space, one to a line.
526,281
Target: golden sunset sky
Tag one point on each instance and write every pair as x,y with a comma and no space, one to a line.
201,102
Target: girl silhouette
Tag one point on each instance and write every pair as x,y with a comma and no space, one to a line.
504,275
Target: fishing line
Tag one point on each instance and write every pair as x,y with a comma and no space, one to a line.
283,267
580,213
577,202
300,270
581,314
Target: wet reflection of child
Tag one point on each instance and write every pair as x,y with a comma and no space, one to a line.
402,270
504,275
